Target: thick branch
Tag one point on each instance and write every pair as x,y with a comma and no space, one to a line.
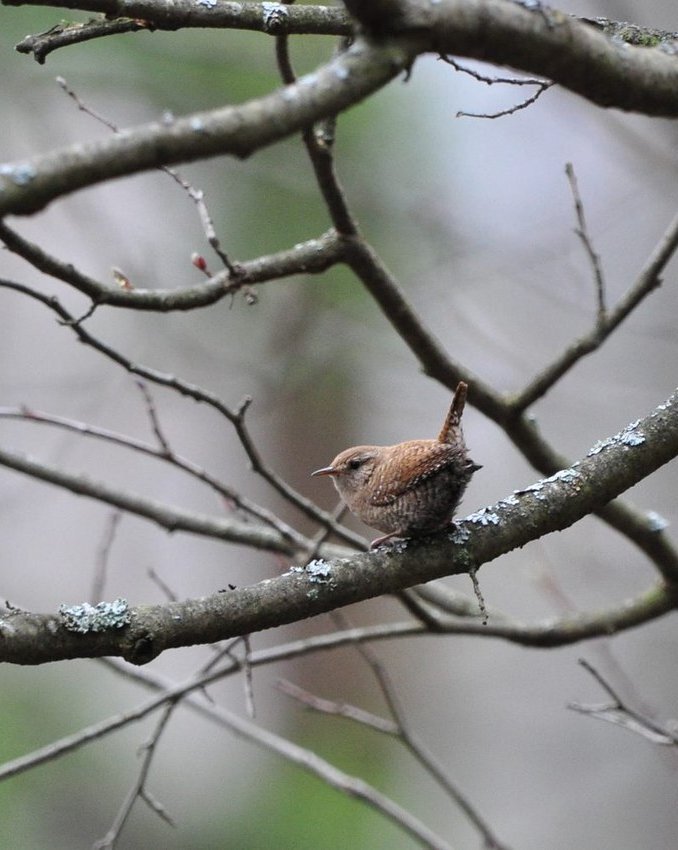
28,186
269,18
550,505
539,40
542,41
522,430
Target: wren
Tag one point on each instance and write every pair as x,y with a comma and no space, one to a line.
411,489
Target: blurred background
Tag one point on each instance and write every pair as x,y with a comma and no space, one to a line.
475,218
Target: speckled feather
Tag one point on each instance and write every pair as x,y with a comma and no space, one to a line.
425,458
410,488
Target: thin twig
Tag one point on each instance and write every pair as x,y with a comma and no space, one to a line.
164,587
248,680
491,81
228,651
620,714
583,233
473,575
196,195
164,453
647,281
340,709
542,86
511,110
138,789
412,742
198,394
320,538
155,421
171,693
453,601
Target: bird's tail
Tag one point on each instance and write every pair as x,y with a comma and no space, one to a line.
451,432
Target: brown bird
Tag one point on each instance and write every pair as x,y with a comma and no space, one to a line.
410,489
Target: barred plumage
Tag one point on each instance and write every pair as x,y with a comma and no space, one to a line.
409,489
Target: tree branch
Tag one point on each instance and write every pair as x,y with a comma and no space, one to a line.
536,39
172,518
163,453
620,714
198,394
549,505
169,693
310,257
65,35
606,323
270,18
522,430
541,40
28,186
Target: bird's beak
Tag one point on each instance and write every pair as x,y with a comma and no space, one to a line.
326,470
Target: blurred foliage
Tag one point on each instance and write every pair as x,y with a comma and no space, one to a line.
296,811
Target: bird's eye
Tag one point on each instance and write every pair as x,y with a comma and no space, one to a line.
356,462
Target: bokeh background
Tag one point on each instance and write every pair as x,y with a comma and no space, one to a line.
476,219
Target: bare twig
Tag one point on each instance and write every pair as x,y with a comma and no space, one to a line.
311,257
67,34
96,731
184,388
167,516
511,110
410,739
583,233
339,780
473,575
620,714
248,680
164,587
452,601
340,709
491,81
163,453
196,195
647,281
138,789
155,421
170,693
542,86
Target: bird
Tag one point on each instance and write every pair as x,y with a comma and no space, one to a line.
411,489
